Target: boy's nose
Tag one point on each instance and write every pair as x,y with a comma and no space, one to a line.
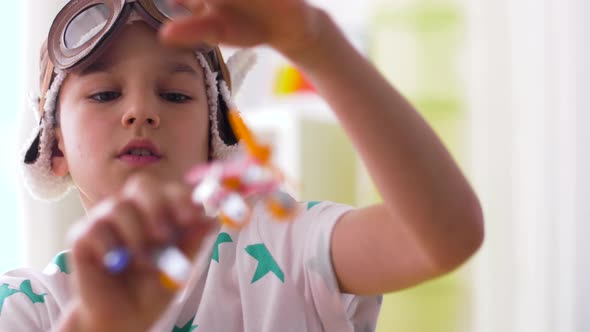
152,121
139,118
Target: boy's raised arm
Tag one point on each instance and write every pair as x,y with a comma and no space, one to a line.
430,220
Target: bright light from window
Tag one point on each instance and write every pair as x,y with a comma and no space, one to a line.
10,82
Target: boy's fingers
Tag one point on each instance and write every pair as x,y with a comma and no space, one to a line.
92,234
192,4
215,27
94,242
192,238
190,32
180,203
198,7
190,217
130,231
146,194
88,251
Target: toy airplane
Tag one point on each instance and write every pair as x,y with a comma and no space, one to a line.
223,187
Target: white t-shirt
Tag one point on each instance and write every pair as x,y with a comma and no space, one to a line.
269,276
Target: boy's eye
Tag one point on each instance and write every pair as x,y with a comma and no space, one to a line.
176,97
105,96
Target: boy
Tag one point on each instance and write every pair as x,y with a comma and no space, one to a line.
125,117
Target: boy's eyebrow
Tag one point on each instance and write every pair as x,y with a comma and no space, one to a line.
97,66
174,68
178,67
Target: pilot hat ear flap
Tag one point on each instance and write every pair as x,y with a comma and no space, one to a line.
39,149
238,66
221,89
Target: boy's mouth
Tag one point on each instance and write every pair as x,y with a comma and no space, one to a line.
142,152
139,153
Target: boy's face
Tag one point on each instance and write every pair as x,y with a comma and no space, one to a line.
138,93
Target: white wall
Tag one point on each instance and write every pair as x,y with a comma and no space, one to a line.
529,162
44,224
581,241
491,153
10,86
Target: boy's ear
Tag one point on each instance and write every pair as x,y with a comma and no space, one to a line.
59,164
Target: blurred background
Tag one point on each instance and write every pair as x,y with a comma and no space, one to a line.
502,82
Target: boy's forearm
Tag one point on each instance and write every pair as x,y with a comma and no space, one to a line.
69,321
416,176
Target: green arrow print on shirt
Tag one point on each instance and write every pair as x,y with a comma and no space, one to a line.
25,288
188,327
221,238
266,263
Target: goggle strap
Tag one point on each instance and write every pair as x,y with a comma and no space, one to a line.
223,67
45,85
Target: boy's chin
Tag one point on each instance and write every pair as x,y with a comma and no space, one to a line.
157,172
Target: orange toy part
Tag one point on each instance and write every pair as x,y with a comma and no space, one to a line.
225,220
168,283
232,183
277,211
281,208
260,152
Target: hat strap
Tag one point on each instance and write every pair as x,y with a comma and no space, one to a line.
45,85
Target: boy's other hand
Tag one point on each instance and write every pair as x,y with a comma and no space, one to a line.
145,215
290,26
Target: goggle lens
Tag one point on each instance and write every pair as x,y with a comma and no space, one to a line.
171,10
86,25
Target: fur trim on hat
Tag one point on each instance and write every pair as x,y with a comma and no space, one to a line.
39,178
239,64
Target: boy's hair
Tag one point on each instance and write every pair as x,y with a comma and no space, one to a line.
37,154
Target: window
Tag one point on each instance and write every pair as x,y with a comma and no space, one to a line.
10,94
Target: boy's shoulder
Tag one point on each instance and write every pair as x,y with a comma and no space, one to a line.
312,218
278,254
30,299
285,248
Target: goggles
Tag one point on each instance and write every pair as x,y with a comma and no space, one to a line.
83,27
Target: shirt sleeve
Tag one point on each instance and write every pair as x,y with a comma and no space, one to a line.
337,311
31,300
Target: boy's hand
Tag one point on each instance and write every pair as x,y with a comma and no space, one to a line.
290,26
146,215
